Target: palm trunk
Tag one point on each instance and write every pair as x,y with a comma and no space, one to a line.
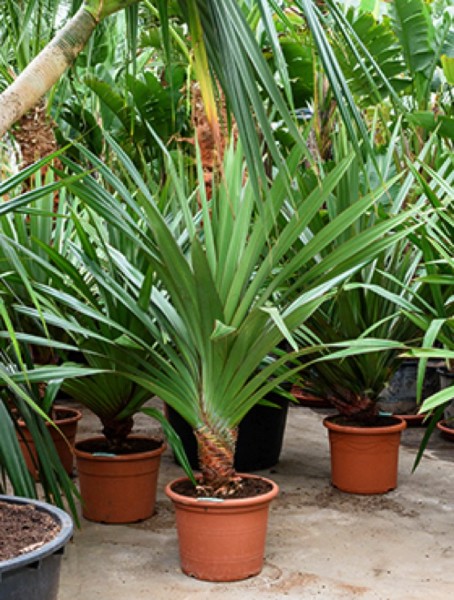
216,458
46,69
50,64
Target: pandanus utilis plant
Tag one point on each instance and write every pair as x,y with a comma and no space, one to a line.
204,286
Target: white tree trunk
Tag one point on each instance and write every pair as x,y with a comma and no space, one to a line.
45,70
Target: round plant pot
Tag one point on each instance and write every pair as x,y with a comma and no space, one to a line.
118,488
446,429
35,575
222,540
67,419
260,436
309,400
364,460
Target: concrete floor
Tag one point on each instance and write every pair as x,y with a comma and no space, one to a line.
321,544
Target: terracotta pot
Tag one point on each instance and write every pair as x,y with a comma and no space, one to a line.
364,460
222,540
118,488
446,430
309,400
67,419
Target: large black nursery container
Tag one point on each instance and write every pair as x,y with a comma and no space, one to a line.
36,574
260,435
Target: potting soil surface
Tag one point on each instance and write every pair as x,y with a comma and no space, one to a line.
24,528
321,544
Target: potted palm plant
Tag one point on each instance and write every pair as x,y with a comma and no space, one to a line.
366,314
435,316
21,239
117,471
212,278
34,247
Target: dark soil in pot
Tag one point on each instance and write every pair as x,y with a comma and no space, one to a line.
248,488
131,446
23,529
378,421
34,535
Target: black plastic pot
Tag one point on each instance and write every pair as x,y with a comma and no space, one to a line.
36,575
260,436
399,397
447,380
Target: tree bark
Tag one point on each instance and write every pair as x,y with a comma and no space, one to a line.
46,69
216,457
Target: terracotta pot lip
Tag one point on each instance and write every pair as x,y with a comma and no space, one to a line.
122,457
220,502
441,425
400,425
76,413
413,419
76,416
306,399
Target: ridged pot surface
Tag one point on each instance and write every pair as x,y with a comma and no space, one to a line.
364,460
222,540
67,419
118,489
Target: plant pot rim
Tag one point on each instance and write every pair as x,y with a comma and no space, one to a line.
399,425
412,419
76,416
306,399
60,540
448,432
120,457
222,503
444,371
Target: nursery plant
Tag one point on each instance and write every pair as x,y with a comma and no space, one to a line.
365,314
202,289
369,307
24,402
98,383
435,316
218,287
